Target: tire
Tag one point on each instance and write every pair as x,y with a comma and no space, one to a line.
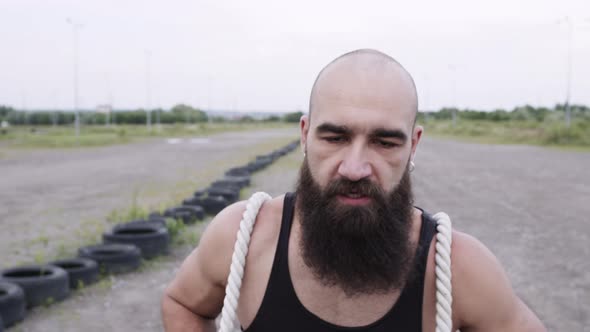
230,180
153,221
252,167
151,239
214,204
200,193
197,211
188,213
113,258
42,284
229,193
81,271
238,171
12,303
193,201
155,214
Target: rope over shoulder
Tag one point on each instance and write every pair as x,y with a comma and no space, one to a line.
229,319
444,298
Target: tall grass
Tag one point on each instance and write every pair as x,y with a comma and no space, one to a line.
547,133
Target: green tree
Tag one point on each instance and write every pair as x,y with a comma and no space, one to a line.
293,116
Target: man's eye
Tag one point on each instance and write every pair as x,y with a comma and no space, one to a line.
334,139
387,144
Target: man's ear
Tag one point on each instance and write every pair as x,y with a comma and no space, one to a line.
416,136
304,127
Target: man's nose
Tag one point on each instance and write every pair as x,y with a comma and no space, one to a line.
355,165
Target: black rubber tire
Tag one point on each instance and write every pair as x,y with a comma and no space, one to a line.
12,303
214,204
81,271
42,284
238,171
193,201
153,221
229,180
151,239
200,193
188,213
230,194
197,211
114,257
155,214
252,167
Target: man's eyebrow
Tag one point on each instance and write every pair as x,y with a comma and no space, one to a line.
332,128
390,133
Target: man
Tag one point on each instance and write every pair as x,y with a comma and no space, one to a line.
348,249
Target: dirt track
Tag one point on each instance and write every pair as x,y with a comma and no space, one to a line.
53,201
529,205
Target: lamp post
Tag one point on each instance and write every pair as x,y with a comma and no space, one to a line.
75,27
453,69
148,90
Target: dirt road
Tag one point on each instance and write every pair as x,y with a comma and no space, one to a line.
529,205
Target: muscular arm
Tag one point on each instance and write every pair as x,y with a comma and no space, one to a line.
195,297
483,297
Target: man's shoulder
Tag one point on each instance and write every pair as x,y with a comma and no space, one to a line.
478,280
226,223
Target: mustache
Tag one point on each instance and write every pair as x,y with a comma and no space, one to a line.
363,187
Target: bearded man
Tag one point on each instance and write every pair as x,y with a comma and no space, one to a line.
347,251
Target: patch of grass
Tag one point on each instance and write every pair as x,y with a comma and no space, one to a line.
549,133
48,301
105,283
48,137
39,257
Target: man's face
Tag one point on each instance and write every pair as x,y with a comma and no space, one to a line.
354,193
359,136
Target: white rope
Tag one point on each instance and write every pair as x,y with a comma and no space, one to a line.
444,298
229,319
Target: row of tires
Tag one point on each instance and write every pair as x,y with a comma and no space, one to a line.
123,247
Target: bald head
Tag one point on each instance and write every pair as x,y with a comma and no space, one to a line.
365,79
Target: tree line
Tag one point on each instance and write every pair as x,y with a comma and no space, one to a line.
521,113
183,113
180,113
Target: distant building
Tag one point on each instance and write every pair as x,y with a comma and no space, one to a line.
105,108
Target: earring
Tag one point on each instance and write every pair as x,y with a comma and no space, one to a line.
412,166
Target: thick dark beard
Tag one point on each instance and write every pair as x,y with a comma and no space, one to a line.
360,249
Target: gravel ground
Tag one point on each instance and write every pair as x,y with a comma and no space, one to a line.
529,205
54,201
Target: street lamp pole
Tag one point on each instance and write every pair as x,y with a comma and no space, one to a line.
454,93
570,28
75,27
148,90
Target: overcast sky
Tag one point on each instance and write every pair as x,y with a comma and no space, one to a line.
264,55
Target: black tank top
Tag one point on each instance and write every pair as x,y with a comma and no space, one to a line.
282,311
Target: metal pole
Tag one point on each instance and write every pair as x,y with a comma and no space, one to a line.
569,71
454,94
148,91
75,27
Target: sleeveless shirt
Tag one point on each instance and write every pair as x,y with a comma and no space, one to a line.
281,310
